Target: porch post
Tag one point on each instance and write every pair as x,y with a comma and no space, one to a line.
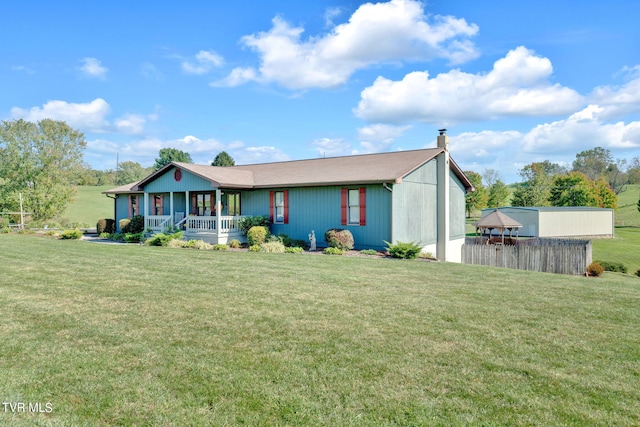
146,210
187,203
171,208
218,210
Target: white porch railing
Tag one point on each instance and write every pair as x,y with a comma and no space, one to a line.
157,223
207,224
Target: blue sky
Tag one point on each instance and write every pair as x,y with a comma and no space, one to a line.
514,82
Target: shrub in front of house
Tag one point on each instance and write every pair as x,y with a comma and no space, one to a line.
272,247
123,224
339,238
106,226
71,234
135,225
254,248
614,266
220,247
595,269
245,224
333,251
162,239
257,235
293,249
133,237
369,252
403,250
235,244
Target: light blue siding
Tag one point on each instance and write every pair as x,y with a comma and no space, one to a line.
122,208
319,209
457,212
166,183
415,212
415,206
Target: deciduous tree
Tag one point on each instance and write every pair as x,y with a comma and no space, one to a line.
476,199
168,155
223,159
40,160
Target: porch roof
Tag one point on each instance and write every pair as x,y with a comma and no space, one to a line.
130,188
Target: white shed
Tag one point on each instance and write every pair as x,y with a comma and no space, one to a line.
569,221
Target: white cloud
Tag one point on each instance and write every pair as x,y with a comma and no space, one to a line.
559,141
331,147
131,124
618,101
518,85
92,67
84,116
237,77
204,62
400,28
150,71
379,137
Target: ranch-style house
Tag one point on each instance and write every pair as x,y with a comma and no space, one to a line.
410,196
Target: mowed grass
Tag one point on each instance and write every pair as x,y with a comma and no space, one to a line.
89,206
624,248
135,335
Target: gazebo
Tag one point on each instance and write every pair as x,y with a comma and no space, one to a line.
496,220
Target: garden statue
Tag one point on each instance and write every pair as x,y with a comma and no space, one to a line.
312,240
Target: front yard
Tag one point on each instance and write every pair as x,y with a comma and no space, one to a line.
129,334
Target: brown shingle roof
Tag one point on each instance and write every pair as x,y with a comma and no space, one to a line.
346,170
131,187
497,219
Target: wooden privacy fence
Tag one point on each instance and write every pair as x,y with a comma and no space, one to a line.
561,256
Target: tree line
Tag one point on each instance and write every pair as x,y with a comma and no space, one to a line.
42,163
594,179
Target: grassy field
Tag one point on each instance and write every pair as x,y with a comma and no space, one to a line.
135,335
90,205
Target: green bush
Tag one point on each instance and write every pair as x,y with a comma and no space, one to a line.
124,224
235,243
272,247
135,225
162,239
51,233
133,237
117,237
294,250
104,235
595,269
257,235
220,247
339,238
106,226
254,248
245,224
369,252
613,266
403,250
333,251
71,234
3,223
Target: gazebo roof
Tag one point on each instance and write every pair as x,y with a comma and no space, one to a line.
497,219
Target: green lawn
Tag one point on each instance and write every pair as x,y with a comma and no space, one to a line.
624,248
89,206
136,335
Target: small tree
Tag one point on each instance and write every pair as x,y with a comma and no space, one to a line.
223,159
477,199
498,194
168,155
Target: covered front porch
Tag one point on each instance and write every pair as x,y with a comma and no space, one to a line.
211,216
